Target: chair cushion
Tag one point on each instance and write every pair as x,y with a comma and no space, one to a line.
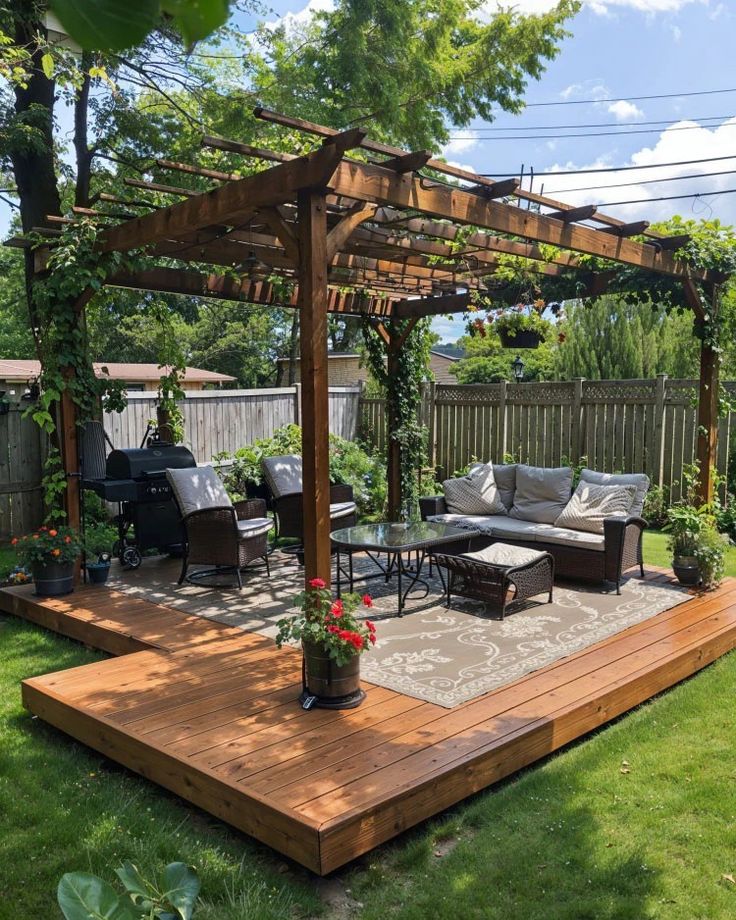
475,493
342,509
283,474
590,505
503,555
541,493
198,489
563,536
640,480
254,527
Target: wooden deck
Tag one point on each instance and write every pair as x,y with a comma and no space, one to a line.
210,713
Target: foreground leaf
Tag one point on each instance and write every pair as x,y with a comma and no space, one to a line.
181,887
82,896
107,24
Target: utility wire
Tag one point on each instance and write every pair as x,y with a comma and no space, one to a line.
703,92
595,188
547,137
609,169
726,191
596,124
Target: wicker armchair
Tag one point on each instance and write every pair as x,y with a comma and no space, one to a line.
219,534
283,477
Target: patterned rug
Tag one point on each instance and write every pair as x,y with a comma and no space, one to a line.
451,656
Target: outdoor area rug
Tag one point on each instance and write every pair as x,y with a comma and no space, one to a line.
451,656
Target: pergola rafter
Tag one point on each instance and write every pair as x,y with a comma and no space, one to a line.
385,238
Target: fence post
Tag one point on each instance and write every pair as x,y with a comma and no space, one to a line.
297,403
576,432
657,469
502,427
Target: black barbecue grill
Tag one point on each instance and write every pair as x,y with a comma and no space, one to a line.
148,517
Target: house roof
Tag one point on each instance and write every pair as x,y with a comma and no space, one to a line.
23,369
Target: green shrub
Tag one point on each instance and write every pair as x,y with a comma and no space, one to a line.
350,464
656,503
710,552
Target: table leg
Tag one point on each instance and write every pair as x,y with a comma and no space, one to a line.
339,585
401,599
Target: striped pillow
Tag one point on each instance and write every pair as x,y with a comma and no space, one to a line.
590,505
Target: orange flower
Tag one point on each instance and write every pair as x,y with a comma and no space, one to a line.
52,533
55,552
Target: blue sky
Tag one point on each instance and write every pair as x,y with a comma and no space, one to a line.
620,49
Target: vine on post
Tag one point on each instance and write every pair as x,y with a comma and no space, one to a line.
403,397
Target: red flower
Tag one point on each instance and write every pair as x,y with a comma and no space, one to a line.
13,541
371,625
52,533
318,583
372,638
67,539
337,609
367,600
43,528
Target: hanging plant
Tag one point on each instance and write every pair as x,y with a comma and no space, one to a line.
521,326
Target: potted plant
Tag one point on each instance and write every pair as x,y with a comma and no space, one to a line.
98,544
50,554
520,326
332,639
710,554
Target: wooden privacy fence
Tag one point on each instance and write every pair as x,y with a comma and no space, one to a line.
22,452
224,420
617,425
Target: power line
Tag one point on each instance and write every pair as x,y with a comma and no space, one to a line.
595,124
703,92
594,188
726,191
547,137
610,169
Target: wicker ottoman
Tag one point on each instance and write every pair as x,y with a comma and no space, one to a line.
489,574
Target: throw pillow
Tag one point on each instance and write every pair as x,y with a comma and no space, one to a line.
505,476
475,493
640,480
592,504
541,493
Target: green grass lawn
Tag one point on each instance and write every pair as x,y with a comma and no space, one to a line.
637,822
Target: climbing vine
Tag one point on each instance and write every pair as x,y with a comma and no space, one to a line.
403,399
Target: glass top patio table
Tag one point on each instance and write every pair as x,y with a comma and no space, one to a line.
395,539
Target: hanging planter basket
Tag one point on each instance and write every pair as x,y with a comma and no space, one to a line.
519,338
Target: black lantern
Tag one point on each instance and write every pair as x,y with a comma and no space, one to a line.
517,366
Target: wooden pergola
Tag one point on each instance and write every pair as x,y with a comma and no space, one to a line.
381,236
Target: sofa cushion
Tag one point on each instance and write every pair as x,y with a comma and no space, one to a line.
541,493
506,528
505,476
590,505
563,536
475,493
198,489
640,480
482,522
503,555
283,474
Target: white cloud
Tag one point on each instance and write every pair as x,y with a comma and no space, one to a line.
461,144
625,111
676,34
295,21
672,146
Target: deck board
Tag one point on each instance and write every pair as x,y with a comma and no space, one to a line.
210,712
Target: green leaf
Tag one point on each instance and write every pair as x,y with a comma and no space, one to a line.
134,883
181,887
196,19
82,896
101,25
47,65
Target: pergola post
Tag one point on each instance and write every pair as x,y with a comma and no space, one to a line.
393,448
313,303
708,389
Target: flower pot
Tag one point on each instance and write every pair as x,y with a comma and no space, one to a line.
519,338
687,570
334,686
52,579
97,572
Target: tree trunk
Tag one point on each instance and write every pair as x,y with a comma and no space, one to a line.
81,146
293,347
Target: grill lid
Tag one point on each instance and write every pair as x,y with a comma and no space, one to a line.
142,462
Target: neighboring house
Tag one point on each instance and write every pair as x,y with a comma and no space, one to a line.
344,370
17,375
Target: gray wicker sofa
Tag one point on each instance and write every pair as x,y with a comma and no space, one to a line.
528,515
